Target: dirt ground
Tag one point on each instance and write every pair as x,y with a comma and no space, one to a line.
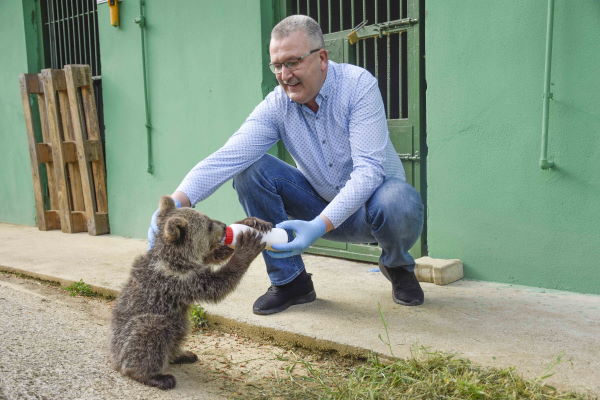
56,347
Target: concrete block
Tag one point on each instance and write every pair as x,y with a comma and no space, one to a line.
438,270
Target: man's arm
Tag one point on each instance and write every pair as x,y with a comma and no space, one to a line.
182,198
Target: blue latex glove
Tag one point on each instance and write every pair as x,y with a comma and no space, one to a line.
153,229
306,233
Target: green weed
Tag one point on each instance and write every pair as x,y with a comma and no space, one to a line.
198,318
81,289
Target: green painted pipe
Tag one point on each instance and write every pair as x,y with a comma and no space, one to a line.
141,21
544,163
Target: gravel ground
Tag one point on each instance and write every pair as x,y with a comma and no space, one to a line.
54,346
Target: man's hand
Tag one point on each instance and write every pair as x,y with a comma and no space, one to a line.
153,229
306,233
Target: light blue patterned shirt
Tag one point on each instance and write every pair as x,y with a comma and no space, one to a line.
343,149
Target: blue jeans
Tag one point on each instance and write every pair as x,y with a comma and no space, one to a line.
275,191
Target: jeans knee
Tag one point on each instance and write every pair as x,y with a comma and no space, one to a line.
395,203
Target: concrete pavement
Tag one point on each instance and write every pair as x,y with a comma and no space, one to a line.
491,324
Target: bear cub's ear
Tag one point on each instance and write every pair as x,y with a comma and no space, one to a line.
175,230
165,205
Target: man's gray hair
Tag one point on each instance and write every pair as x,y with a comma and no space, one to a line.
303,23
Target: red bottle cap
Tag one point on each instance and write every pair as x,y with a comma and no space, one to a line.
228,235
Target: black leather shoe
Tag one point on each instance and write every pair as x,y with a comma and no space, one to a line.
279,298
406,289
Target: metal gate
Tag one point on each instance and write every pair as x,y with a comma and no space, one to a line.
70,36
384,37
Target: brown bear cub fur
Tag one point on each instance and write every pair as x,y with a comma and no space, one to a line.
150,319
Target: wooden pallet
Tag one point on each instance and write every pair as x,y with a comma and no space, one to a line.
70,149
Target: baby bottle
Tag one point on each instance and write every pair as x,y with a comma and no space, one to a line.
274,236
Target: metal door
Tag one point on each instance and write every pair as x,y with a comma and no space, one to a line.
384,37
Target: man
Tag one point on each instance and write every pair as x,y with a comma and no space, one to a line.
349,184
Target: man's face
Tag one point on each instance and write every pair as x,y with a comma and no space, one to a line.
302,84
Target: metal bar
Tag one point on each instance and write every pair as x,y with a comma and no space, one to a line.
89,25
61,24
90,56
95,70
76,36
319,11
65,39
352,24
59,42
401,88
376,44
329,16
69,34
76,29
364,8
341,16
388,67
50,12
79,31
84,30
544,163
86,33
308,7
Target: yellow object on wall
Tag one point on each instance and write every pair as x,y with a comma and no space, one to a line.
114,12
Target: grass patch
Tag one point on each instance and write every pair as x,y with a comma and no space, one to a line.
426,375
81,289
198,319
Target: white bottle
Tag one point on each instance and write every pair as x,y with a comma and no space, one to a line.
274,236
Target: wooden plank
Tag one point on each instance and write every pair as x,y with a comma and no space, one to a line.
86,132
74,175
93,133
29,84
53,194
51,80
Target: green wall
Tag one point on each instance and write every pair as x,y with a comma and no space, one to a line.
490,204
18,32
205,73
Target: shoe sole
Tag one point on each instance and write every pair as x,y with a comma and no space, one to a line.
404,303
307,298
384,271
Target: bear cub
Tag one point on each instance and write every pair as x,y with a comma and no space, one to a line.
150,319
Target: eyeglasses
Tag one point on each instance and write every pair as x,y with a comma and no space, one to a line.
292,64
